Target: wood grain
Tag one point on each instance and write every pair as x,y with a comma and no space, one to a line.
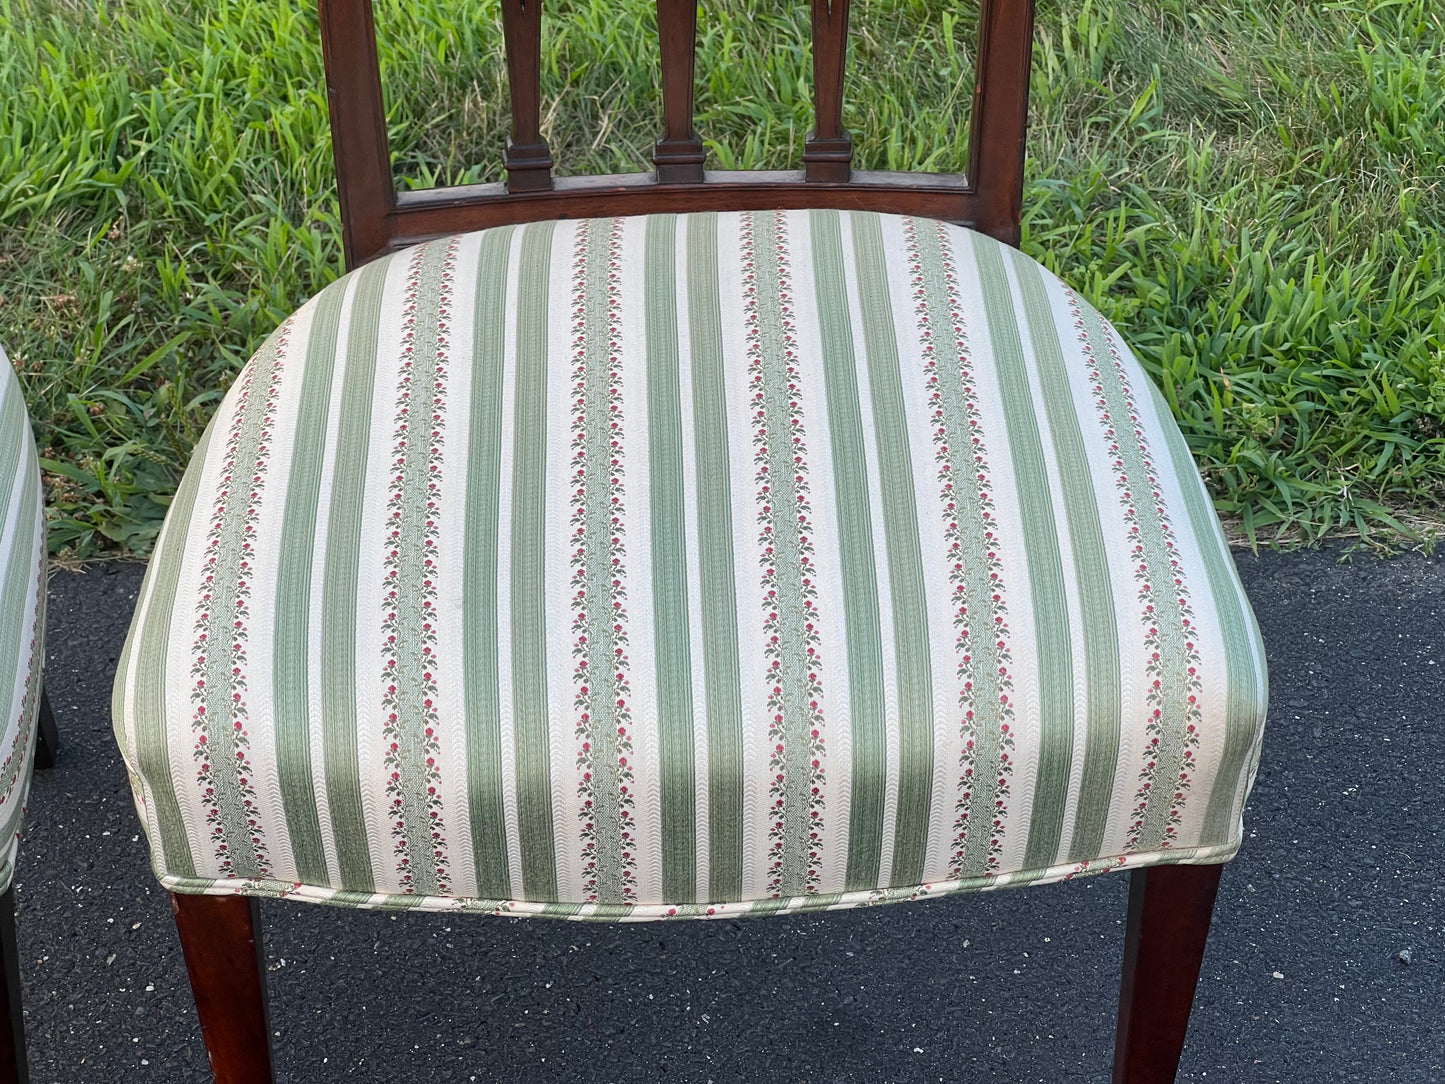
1169,912
221,938
528,158
376,219
828,149
679,154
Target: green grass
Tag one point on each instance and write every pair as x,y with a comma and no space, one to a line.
1252,189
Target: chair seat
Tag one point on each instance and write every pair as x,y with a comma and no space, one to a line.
689,565
22,611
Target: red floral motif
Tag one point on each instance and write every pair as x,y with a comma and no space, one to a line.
975,567
1092,867
602,688
1162,593
785,524
222,626
411,563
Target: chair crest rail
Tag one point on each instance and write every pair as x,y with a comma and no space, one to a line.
377,219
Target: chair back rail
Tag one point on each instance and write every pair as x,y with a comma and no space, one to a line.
378,219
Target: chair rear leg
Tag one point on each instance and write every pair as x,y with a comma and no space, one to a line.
221,937
1169,912
13,1068
47,737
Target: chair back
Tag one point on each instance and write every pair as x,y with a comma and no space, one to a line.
376,218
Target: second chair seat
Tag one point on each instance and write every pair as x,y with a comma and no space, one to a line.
689,565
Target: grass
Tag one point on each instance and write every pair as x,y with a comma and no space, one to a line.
1253,189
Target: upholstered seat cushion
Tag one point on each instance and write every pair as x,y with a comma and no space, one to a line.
22,611
689,565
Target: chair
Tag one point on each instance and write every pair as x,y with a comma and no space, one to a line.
27,728
689,544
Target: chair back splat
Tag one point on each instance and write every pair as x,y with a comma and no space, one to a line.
377,219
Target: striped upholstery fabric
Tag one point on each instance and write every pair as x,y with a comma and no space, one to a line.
686,566
22,611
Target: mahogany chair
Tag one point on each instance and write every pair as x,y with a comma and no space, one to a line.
689,544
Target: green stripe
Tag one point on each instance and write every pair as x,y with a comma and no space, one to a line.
224,711
669,565
418,827
293,592
1244,706
480,629
765,907
340,586
863,629
1041,550
1166,608
1091,568
148,639
789,580
529,586
715,558
600,528
978,608
905,556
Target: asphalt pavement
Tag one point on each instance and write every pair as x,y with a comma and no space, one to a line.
1326,962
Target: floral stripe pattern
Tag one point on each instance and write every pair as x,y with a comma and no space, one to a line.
412,753
797,804
977,596
606,806
220,719
1172,661
789,580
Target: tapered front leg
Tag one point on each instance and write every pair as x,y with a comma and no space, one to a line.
221,937
13,1068
47,737
1169,912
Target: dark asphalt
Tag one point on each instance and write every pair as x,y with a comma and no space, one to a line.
1341,882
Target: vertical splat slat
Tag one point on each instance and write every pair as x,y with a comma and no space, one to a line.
828,151
1001,115
528,158
358,127
378,219
679,153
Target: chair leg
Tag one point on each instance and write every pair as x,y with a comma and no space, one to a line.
13,1067
221,937
47,737
1169,912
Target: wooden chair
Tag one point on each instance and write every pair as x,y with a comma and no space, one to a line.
1077,630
